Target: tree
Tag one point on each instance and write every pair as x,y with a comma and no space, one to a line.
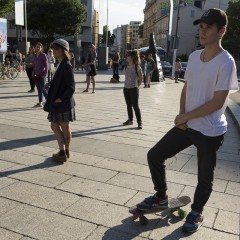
231,39
140,31
153,50
7,6
111,37
50,19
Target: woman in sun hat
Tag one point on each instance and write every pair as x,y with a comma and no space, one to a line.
60,102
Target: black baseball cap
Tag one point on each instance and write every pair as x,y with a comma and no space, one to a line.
213,15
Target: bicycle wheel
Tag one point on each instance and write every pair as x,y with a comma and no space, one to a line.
13,73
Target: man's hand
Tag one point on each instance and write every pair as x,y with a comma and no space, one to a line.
182,126
181,119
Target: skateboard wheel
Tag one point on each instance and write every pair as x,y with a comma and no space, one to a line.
182,213
143,220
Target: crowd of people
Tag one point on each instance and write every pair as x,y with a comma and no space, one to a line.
210,75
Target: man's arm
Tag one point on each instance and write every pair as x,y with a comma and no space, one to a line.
204,110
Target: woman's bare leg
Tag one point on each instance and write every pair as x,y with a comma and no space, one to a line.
93,83
59,135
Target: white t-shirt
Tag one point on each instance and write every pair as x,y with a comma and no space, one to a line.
203,79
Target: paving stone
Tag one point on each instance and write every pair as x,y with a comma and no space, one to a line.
228,222
43,197
42,224
5,165
22,158
97,190
219,200
191,180
108,215
177,162
35,175
6,182
84,171
7,205
233,188
167,230
123,166
224,169
143,184
8,235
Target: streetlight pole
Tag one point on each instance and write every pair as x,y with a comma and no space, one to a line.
26,30
175,41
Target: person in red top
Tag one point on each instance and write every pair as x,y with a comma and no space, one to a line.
40,69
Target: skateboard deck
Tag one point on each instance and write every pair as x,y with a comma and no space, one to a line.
174,204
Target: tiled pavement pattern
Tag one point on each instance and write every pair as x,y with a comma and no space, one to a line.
88,197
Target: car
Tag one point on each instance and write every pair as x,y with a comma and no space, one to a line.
183,70
167,68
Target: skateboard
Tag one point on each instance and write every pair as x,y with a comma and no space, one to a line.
174,204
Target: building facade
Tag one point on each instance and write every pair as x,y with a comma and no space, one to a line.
156,20
134,37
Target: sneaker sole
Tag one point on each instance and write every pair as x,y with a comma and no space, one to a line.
192,231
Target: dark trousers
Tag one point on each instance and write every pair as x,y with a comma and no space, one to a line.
131,97
41,91
172,143
115,69
29,72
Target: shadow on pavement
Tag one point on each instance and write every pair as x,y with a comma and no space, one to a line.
48,163
130,229
13,144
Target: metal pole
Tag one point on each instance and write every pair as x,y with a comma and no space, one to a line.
25,11
107,28
175,42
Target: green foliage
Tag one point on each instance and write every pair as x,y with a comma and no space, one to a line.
153,50
140,31
6,7
55,18
111,37
231,40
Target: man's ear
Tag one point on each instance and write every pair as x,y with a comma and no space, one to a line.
222,31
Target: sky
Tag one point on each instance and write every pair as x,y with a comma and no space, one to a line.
119,12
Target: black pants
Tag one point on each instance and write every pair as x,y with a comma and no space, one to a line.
29,72
115,69
175,141
131,97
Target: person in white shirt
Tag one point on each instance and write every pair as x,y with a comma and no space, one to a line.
210,76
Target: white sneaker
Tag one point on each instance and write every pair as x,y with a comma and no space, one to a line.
38,105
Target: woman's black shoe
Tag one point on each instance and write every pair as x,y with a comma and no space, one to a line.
140,126
128,122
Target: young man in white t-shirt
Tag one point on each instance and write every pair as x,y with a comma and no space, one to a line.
210,75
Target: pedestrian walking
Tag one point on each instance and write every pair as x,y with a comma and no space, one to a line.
143,66
40,69
29,61
178,68
51,64
210,75
149,69
115,65
90,67
133,79
60,102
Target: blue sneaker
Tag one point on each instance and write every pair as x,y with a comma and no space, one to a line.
152,203
194,221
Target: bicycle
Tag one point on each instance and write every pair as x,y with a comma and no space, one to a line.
8,71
